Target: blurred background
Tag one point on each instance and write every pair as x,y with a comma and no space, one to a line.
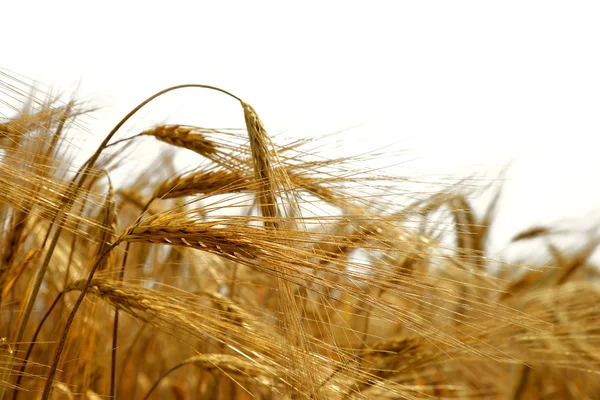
446,89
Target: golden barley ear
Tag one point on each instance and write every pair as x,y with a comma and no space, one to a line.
271,183
202,183
183,137
261,161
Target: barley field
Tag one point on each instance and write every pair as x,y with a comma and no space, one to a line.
267,272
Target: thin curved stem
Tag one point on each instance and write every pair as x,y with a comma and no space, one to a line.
32,344
164,375
113,361
63,338
116,142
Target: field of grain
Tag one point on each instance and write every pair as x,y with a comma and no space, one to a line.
268,272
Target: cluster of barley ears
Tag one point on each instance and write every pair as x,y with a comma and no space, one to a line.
267,272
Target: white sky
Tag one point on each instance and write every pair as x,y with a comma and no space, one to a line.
460,82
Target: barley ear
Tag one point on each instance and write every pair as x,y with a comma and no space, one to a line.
263,171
